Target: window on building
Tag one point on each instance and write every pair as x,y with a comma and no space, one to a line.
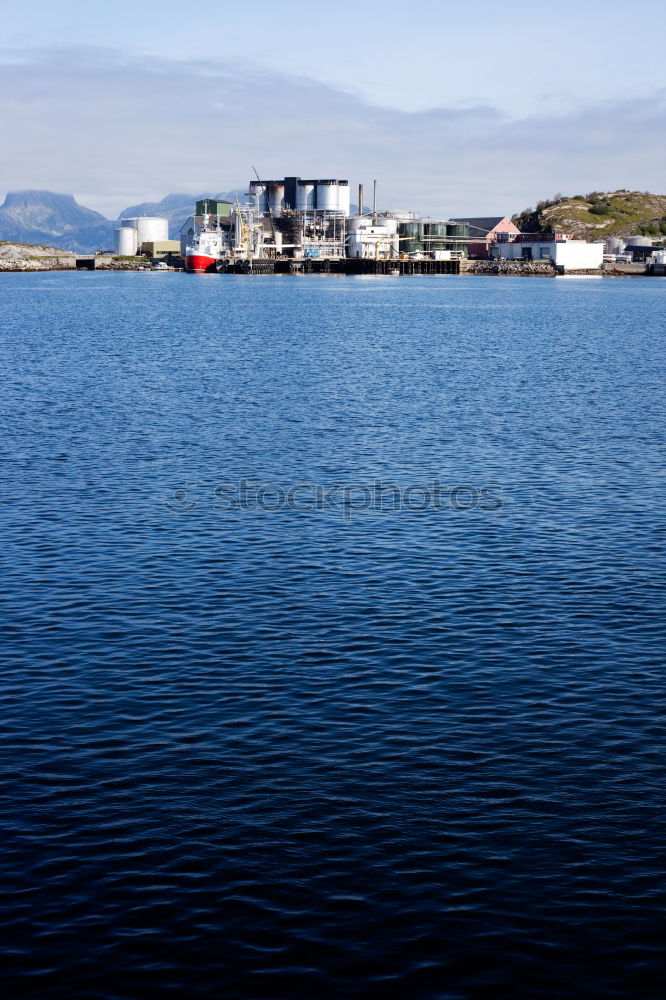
544,253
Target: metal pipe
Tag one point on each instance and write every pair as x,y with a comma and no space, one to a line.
360,199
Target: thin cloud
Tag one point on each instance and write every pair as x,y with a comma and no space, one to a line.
116,129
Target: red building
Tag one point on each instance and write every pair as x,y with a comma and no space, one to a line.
483,232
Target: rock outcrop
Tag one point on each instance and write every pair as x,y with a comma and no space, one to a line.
25,257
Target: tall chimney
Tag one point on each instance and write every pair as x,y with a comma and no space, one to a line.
360,199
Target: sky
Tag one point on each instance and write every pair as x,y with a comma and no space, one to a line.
455,108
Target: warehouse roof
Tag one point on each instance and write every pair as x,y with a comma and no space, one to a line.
481,224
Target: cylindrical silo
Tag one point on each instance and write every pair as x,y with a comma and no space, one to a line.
390,226
125,241
276,197
613,244
259,193
411,237
437,232
306,195
327,196
355,242
151,229
639,241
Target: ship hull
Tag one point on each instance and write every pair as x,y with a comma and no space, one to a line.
198,262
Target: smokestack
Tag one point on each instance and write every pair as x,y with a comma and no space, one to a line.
360,199
374,197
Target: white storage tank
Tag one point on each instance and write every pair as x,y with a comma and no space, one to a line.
391,227
613,245
327,196
639,241
276,198
368,238
151,229
259,193
125,243
383,222
306,195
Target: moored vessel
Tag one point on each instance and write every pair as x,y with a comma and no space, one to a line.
206,248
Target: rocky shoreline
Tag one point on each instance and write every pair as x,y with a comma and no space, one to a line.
539,268
27,257
17,257
31,257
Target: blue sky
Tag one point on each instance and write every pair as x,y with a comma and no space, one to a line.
186,98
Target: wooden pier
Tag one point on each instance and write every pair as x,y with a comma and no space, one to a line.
327,265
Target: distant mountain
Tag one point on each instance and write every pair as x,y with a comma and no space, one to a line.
597,215
53,219
57,220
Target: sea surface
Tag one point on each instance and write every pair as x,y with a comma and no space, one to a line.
333,637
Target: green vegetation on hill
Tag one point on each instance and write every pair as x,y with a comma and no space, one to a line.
597,215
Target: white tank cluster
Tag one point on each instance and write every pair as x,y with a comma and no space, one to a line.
325,195
133,233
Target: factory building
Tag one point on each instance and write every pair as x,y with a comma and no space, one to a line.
159,249
211,206
565,252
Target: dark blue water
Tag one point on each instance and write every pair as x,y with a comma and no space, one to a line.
294,745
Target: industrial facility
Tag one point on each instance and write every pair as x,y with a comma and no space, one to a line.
296,223
309,219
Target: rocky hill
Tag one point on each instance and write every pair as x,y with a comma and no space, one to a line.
597,215
42,217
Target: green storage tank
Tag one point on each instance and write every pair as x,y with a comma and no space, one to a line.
436,233
458,234
411,237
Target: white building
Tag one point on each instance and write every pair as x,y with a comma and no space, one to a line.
565,252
